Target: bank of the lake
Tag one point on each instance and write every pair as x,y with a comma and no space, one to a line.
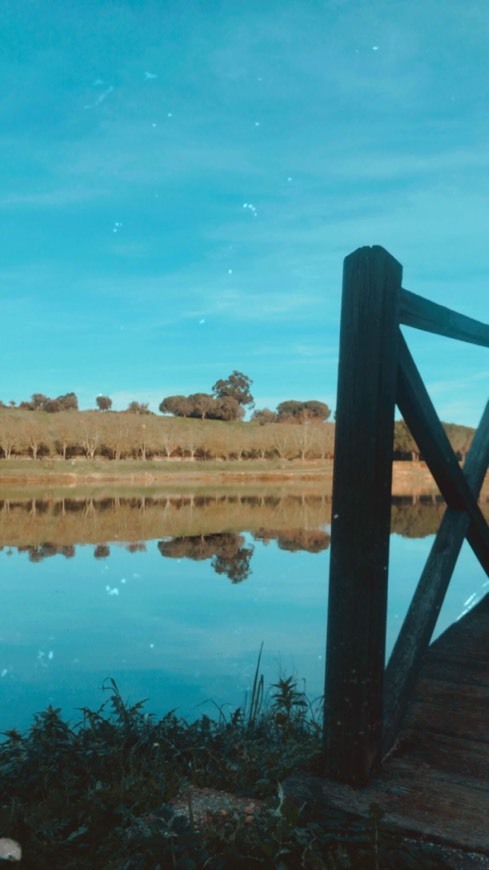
409,478
123,790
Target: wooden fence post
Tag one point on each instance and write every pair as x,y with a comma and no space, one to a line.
368,367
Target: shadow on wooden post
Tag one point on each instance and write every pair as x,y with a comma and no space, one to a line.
367,380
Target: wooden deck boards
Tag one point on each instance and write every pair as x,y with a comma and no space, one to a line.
435,780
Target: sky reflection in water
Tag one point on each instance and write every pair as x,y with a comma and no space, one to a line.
173,630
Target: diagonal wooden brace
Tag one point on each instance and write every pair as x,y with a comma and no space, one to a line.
414,637
418,411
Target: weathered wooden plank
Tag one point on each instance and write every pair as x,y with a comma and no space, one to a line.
423,802
417,629
464,719
361,513
472,755
423,314
440,668
435,780
422,420
465,636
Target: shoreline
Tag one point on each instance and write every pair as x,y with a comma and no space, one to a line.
408,478
82,472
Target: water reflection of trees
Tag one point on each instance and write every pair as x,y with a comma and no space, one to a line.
226,550
416,517
43,551
190,525
140,518
312,540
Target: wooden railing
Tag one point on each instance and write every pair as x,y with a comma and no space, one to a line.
364,702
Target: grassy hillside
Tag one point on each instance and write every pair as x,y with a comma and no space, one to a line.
121,435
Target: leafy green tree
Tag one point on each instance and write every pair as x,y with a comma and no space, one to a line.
314,410
292,411
201,405
460,438
52,406
289,411
41,402
38,400
404,443
226,408
179,406
104,403
68,402
236,386
264,415
138,408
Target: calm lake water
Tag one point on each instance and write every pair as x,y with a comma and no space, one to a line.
173,595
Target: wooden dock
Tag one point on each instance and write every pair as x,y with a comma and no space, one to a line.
434,783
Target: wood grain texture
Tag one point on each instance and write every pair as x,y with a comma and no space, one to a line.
361,512
423,314
435,781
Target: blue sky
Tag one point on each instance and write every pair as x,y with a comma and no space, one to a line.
180,182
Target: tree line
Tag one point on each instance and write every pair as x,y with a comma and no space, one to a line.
117,435
126,435
405,446
228,401
412,517
44,426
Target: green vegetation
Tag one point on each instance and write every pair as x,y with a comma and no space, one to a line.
203,426
292,411
102,793
229,400
124,435
405,447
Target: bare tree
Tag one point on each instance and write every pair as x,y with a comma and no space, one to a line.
64,431
167,436
89,434
32,433
117,433
9,433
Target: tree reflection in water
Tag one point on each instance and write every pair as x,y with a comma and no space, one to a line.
296,521
226,550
